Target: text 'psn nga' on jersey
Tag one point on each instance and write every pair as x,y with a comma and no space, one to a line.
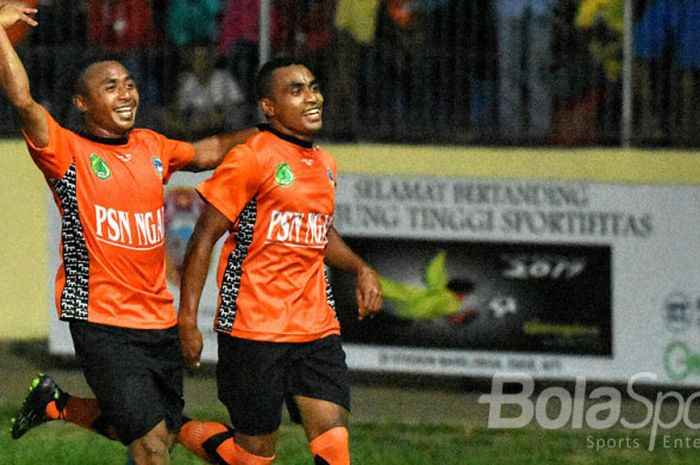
299,229
129,229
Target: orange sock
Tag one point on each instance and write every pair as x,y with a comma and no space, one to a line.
201,437
78,410
331,447
82,412
53,412
233,454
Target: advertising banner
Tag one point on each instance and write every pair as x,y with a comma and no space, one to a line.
485,296
554,279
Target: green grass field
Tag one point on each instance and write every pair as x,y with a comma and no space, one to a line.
378,444
61,443
393,424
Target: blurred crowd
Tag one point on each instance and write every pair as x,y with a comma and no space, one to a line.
502,72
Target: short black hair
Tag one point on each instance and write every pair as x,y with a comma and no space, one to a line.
80,74
263,81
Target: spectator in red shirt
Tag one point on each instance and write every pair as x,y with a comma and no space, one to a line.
117,26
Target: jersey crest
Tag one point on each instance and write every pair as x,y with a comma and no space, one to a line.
284,176
99,167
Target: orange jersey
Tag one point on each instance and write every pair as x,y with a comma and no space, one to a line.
280,194
110,195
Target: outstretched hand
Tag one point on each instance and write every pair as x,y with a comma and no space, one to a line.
13,12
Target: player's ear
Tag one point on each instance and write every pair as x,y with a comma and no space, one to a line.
79,102
267,107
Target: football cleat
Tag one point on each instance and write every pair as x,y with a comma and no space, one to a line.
42,392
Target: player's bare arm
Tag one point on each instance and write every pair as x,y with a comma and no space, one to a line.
369,292
209,152
210,227
13,76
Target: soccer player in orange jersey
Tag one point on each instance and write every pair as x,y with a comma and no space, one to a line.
278,332
108,185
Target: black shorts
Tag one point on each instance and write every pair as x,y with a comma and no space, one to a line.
255,378
136,376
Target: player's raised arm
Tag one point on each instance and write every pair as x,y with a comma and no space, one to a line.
209,152
210,227
13,76
369,292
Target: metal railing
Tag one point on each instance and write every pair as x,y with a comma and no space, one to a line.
497,72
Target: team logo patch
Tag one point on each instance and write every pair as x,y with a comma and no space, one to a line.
99,167
284,175
158,165
330,177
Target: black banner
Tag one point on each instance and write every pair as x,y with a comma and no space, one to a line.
523,297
